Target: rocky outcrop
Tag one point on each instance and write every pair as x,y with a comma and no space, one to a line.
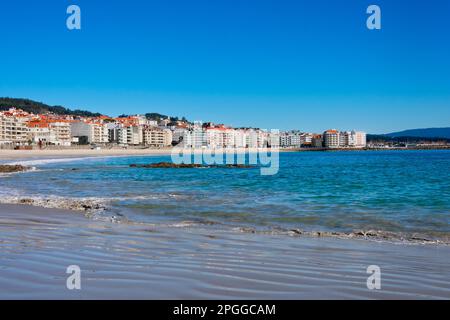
12,168
184,165
82,204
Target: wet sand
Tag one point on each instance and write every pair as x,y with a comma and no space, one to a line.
123,261
104,152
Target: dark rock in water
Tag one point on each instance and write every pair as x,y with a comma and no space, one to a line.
26,201
12,168
242,166
184,165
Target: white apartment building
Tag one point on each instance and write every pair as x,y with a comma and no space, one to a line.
41,134
353,139
131,135
13,129
336,139
214,138
178,134
240,138
195,138
61,133
256,138
306,138
95,132
290,140
358,139
331,138
198,138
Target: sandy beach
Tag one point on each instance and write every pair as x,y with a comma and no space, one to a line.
75,152
123,261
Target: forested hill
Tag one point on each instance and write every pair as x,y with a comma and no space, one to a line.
426,133
40,108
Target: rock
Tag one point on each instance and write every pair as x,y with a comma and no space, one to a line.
185,165
295,231
26,201
12,168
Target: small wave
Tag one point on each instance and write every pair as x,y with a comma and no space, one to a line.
375,235
37,162
97,209
77,204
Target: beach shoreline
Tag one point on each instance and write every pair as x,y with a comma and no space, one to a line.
9,154
148,262
91,205
75,152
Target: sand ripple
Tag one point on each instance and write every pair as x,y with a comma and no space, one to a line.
139,261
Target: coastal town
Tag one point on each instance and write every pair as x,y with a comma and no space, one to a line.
22,130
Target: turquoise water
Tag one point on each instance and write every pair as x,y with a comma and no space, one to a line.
397,191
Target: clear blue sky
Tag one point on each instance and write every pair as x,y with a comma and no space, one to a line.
308,65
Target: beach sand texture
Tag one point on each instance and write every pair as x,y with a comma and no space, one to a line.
121,261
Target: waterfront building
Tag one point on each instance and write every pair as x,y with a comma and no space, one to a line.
317,141
94,132
291,139
178,135
112,128
256,138
130,135
13,127
220,136
39,132
360,138
240,138
197,138
353,139
306,139
61,131
157,137
331,138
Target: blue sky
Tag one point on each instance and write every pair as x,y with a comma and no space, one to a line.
308,65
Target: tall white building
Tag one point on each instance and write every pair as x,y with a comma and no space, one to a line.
178,135
291,139
335,139
13,128
360,139
61,131
331,138
95,132
130,135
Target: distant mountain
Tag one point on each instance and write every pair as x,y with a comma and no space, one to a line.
422,133
39,107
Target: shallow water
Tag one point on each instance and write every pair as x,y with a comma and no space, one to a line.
406,192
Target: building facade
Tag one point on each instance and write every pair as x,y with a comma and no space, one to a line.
13,128
331,139
156,137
